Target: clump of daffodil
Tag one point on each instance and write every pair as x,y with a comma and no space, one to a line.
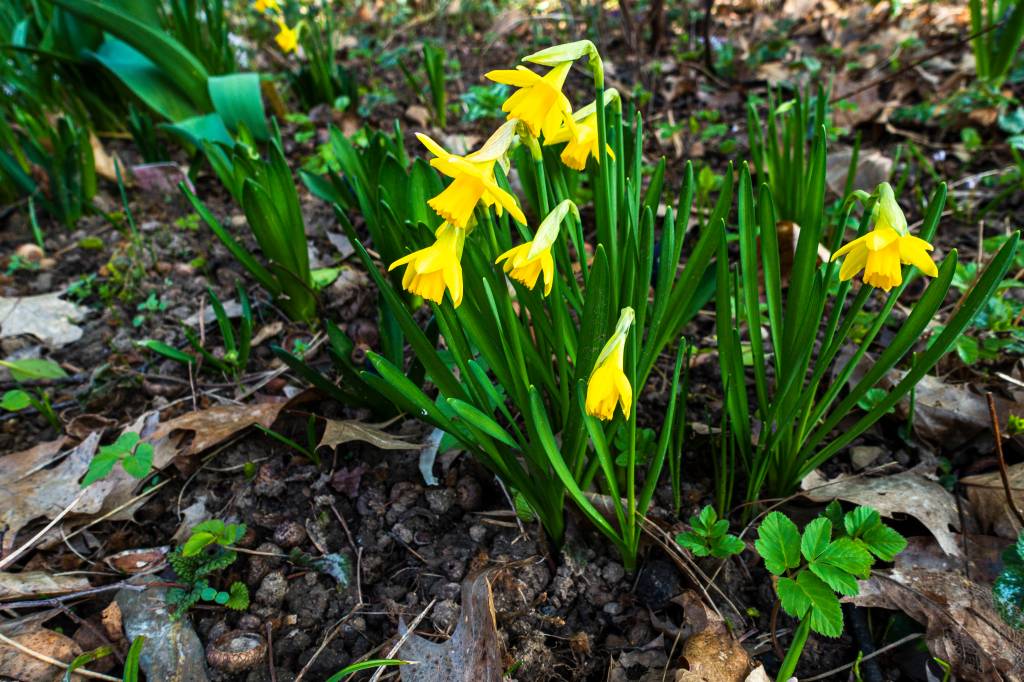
882,251
582,138
539,102
438,267
608,383
525,263
473,178
287,38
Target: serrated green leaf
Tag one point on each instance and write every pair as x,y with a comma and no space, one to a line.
239,594
816,537
705,520
101,465
140,462
792,597
697,544
826,614
836,578
728,546
848,555
884,542
778,543
718,529
834,513
860,520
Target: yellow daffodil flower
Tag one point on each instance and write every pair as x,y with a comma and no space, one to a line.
539,102
525,263
263,5
473,178
881,252
582,139
608,383
287,38
570,52
438,267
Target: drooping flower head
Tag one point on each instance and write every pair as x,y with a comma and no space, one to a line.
608,383
539,102
287,38
525,263
582,139
438,267
473,178
882,251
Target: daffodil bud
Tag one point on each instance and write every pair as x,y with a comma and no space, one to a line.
547,233
888,212
570,52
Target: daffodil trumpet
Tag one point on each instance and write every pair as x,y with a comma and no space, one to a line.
881,252
430,271
582,139
608,382
526,262
473,179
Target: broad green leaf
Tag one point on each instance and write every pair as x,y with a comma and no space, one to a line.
101,465
836,578
792,597
778,543
706,519
31,369
237,99
202,128
728,546
697,544
197,542
15,401
145,79
848,555
860,520
816,537
139,463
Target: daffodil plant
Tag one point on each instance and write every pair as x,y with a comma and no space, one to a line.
804,387
544,324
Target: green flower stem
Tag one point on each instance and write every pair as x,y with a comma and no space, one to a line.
796,648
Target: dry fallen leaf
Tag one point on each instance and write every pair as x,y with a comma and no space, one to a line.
418,114
988,499
339,431
908,493
712,653
471,655
103,161
47,317
138,561
30,584
873,167
20,666
113,624
962,626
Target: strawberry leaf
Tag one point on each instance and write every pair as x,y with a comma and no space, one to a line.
778,543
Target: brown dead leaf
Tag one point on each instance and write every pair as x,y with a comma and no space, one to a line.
113,624
31,584
873,167
712,653
988,499
418,114
506,22
215,425
962,626
339,431
20,666
84,424
908,493
471,655
138,561
103,161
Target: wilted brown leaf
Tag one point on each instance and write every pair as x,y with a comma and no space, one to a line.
339,431
471,655
712,653
873,167
31,584
17,665
908,493
962,626
47,317
988,499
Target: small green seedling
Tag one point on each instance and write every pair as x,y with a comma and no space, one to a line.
1008,589
237,342
710,536
135,457
208,549
31,369
834,551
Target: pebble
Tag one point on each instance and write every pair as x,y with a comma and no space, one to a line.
468,493
445,615
290,534
612,608
440,500
613,573
272,590
478,532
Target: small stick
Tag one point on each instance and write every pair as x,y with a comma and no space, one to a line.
53,661
401,640
58,601
270,653
1002,460
877,652
327,640
775,640
9,559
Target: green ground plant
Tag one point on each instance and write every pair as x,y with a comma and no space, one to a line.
834,551
24,396
997,27
135,457
709,536
207,550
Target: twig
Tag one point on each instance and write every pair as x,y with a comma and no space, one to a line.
53,661
270,653
1002,460
774,622
327,640
401,640
917,62
9,559
877,652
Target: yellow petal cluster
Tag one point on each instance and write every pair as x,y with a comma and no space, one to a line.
287,38
883,251
438,267
608,383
